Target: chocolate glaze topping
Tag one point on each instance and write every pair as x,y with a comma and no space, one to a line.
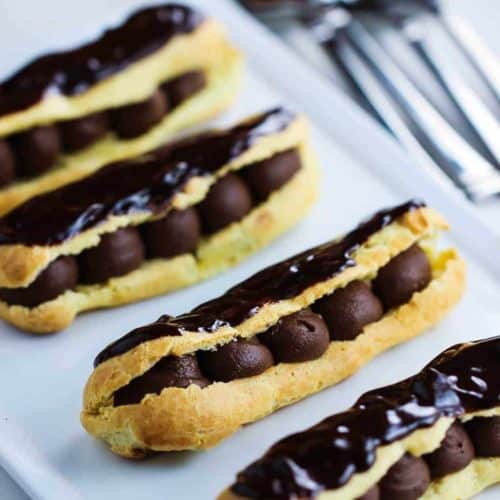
462,379
74,71
146,183
281,281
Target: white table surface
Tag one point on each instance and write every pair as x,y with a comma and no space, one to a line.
484,14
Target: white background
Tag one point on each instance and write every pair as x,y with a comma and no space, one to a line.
41,379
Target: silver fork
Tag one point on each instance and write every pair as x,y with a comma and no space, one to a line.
412,21
458,28
466,38
361,55
460,161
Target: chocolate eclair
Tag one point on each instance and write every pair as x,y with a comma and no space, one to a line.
151,224
290,330
65,114
435,435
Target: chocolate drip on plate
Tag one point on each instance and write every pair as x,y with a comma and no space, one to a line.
462,379
146,183
74,71
278,282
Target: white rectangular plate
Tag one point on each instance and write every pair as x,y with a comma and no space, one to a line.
42,378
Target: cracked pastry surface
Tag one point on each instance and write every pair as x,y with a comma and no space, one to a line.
135,236
164,69
431,436
136,404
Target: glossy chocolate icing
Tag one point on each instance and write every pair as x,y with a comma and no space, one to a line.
281,281
146,183
74,71
462,379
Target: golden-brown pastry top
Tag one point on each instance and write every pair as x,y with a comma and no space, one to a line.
346,454
139,351
123,66
180,176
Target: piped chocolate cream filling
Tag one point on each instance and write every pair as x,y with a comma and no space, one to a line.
304,335
35,151
280,281
464,379
118,253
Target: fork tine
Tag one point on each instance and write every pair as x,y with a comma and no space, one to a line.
478,177
480,119
480,56
331,31
360,75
